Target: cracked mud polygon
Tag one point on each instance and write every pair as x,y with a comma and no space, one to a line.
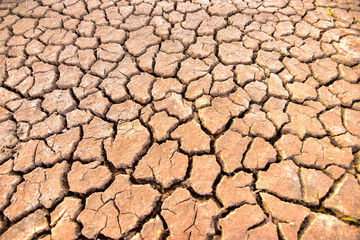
201,119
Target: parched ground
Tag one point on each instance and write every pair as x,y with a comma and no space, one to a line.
201,119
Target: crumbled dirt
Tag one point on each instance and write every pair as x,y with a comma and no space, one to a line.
161,119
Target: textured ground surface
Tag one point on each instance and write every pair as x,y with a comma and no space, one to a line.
180,120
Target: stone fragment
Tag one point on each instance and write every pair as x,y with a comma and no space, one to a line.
304,29
222,9
237,223
240,20
193,20
228,34
58,36
41,187
25,157
16,76
259,155
77,10
72,230
23,25
86,28
187,7
188,218
58,146
267,231
200,182
334,172
203,101
192,138
347,140
283,28
222,72
96,15
328,99
130,142
50,54
134,22
162,27
235,53
30,226
162,164
289,186
274,108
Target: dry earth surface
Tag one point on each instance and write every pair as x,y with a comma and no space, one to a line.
147,119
